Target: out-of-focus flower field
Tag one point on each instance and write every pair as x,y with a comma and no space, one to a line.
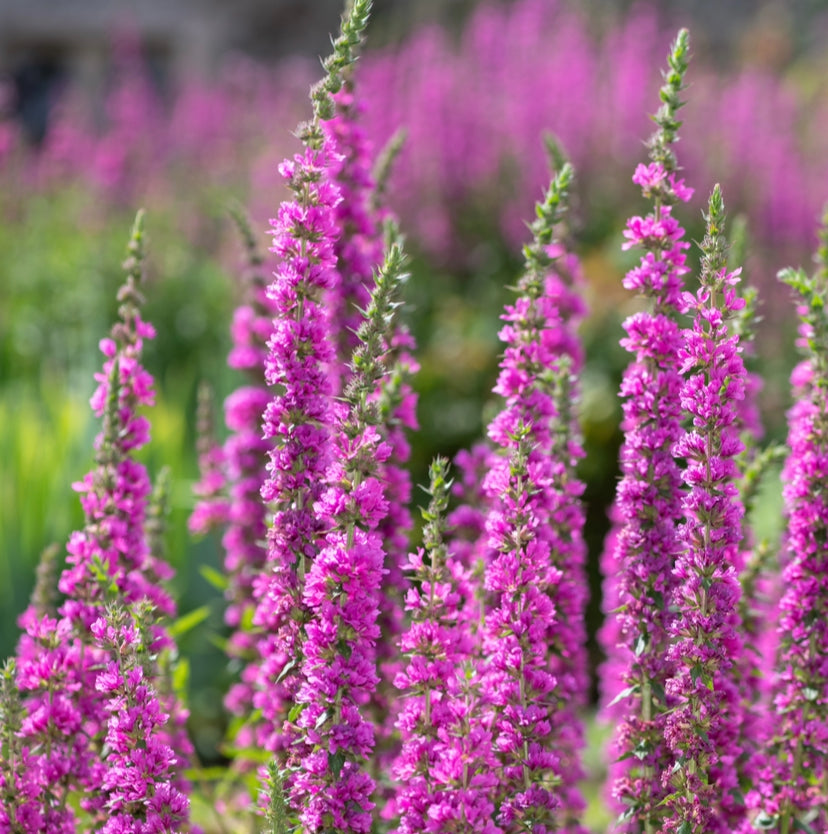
475,105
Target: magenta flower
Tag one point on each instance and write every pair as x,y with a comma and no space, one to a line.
63,725
703,728
341,592
319,634
296,420
639,570
790,790
441,782
359,248
359,251
139,787
533,635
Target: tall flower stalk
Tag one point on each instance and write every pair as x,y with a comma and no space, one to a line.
446,767
639,569
794,793
532,633
363,223
431,645
341,591
62,736
297,420
703,728
139,786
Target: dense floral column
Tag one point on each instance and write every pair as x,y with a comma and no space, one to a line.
703,728
532,635
301,366
363,222
792,794
332,790
66,760
447,765
639,570
139,786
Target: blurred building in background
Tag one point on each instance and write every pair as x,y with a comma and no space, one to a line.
44,44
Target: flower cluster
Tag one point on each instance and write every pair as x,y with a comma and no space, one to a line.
296,420
359,249
639,568
703,728
485,642
62,730
140,793
342,588
790,790
532,631
446,766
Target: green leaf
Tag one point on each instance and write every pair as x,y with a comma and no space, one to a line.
217,579
189,621
221,643
624,693
258,755
336,762
291,664
181,678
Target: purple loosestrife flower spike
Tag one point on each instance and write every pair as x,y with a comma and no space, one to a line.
359,249
430,646
296,424
519,686
345,53
437,650
139,785
45,595
64,721
537,669
703,728
211,509
158,511
639,570
341,591
397,403
793,792
759,582
569,555
297,420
